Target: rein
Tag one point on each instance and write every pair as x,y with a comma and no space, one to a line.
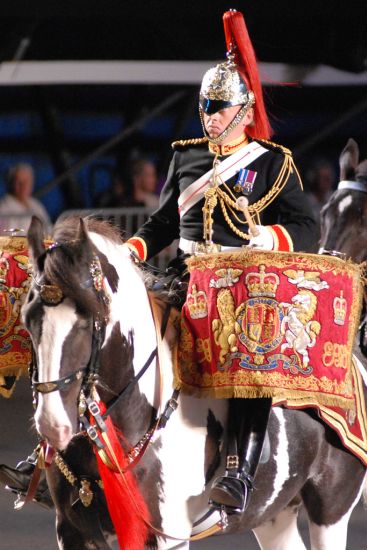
113,402
96,429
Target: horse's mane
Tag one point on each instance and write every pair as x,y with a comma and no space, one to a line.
67,229
67,265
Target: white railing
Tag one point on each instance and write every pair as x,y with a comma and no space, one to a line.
128,219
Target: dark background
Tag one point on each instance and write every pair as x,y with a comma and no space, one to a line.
54,127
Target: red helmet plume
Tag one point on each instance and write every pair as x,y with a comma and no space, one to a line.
239,44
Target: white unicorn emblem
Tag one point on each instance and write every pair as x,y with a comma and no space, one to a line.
302,330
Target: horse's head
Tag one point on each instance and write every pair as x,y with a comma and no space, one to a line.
65,313
344,217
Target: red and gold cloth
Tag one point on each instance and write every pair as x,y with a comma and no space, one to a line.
15,344
280,325
350,424
270,324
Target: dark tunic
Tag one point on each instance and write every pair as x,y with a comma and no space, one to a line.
290,208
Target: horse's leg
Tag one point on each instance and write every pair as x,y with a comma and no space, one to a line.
330,498
281,532
332,536
68,538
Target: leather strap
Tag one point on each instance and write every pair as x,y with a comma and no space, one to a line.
44,460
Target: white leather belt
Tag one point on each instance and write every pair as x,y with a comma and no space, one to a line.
195,247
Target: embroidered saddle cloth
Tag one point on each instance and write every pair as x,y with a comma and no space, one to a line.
274,324
15,345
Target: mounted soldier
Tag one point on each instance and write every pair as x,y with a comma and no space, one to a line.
230,189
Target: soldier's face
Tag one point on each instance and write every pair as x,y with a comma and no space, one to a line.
216,123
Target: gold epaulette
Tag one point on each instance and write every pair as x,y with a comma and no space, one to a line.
283,149
192,141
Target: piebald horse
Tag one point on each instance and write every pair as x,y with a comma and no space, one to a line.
344,217
88,282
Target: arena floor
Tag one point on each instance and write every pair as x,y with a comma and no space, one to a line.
33,527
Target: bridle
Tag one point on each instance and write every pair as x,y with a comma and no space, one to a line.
90,376
52,295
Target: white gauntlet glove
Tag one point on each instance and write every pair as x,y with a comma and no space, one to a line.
264,240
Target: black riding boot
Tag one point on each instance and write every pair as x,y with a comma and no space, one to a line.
247,422
17,480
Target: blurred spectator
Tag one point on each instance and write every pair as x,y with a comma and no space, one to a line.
144,180
114,196
138,188
18,206
320,182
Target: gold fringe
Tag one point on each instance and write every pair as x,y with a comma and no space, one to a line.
280,395
279,259
10,371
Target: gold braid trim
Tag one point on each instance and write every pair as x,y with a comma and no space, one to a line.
229,204
64,469
235,230
192,141
67,473
284,150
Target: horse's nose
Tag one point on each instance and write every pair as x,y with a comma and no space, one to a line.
57,436
53,423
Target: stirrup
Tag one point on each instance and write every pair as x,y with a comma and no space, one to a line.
17,480
231,492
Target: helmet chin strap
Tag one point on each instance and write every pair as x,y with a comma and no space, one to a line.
231,126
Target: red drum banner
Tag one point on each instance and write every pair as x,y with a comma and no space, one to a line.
270,324
15,345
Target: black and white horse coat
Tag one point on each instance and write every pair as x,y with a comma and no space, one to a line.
307,462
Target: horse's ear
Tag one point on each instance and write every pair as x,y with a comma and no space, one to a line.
348,160
361,172
35,237
86,248
82,231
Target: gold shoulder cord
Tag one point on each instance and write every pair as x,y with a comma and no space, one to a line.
211,200
192,141
227,200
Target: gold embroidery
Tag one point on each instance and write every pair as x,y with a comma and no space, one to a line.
228,148
224,328
197,303
203,347
340,309
335,355
262,283
227,277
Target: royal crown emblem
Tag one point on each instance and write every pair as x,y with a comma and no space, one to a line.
197,303
340,309
262,283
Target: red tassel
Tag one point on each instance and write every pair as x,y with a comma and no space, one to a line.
126,505
238,39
